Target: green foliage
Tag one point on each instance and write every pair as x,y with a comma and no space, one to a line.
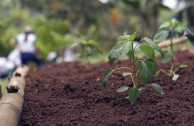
147,50
121,48
145,70
86,48
157,88
122,89
106,77
161,35
141,68
154,45
133,94
190,37
172,28
167,56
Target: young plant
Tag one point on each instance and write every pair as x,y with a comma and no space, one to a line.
141,67
87,48
172,28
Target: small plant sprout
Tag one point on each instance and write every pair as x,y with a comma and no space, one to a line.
141,67
87,48
172,28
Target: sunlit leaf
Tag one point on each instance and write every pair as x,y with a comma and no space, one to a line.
148,50
158,88
166,25
154,45
122,89
133,94
124,38
160,36
121,48
134,35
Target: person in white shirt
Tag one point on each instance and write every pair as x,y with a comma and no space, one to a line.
25,43
6,67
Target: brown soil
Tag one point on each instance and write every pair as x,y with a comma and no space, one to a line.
68,94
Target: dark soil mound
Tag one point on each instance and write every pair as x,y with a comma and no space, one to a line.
68,94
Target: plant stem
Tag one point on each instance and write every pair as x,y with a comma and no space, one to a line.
134,76
171,49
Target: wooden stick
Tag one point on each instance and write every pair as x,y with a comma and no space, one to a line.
174,41
0,90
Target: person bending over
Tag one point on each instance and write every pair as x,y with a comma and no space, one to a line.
26,44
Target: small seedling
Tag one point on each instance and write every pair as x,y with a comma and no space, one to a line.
87,48
141,67
170,29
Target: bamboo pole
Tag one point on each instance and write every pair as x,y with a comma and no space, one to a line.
174,41
11,102
0,90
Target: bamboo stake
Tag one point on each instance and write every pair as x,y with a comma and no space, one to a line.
0,90
12,102
174,41
8,114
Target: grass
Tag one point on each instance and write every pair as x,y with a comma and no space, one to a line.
3,84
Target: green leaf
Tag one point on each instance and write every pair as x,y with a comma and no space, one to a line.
121,48
190,37
126,74
158,88
151,64
129,37
132,37
133,94
179,30
145,70
122,89
154,45
148,50
106,77
124,38
175,77
166,25
160,36
167,57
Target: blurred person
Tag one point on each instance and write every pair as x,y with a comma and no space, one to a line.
6,67
53,57
14,57
69,54
26,45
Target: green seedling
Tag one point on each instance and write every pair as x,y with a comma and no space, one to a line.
172,28
142,67
89,47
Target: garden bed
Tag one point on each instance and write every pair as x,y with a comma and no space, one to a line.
70,94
